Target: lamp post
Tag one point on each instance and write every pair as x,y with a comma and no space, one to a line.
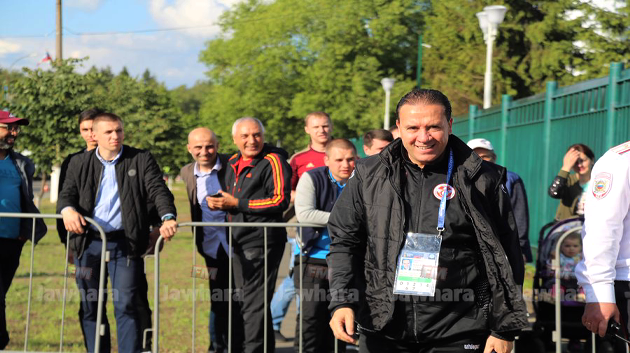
388,84
419,69
489,20
6,77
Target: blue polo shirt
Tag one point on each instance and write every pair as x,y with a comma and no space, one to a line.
10,201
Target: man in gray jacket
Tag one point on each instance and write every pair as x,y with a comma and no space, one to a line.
316,192
16,195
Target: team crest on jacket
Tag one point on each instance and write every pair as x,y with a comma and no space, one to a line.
602,185
439,190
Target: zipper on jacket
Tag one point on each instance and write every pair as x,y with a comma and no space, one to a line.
121,212
233,190
415,320
404,219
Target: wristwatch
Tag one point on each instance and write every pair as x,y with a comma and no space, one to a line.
168,218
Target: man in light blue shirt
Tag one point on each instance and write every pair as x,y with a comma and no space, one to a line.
113,184
204,178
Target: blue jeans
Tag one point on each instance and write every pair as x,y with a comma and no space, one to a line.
124,274
284,294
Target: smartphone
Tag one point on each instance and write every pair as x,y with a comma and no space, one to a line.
218,194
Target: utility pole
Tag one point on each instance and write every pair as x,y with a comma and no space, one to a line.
56,169
59,54
419,68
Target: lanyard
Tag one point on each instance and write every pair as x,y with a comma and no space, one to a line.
442,210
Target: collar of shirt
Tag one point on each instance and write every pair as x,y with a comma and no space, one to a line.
217,166
332,178
113,161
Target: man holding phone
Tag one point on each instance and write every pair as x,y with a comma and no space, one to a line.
206,177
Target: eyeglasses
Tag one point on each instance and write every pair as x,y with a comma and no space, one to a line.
11,127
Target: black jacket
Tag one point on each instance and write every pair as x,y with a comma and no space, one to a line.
263,190
565,187
140,183
367,232
61,228
188,175
26,169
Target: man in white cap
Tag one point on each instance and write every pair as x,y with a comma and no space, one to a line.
516,190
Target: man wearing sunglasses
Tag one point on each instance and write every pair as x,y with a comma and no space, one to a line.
16,195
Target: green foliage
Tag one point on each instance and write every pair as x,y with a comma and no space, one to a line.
152,120
52,101
189,101
280,60
539,41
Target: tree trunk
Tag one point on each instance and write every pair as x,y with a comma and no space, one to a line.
38,197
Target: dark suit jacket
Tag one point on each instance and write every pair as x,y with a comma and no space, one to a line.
188,175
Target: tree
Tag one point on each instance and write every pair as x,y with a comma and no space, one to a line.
151,119
539,41
279,61
147,78
51,101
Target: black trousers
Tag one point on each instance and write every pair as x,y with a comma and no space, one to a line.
622,296
317,336
144,311
219,281
373,344
250,278
10,250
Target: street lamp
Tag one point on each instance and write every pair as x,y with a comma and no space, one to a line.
6,77
388,84
489,20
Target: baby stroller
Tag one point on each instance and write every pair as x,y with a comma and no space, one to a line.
561,238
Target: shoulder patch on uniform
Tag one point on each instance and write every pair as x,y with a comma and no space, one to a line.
623,148
602,183
439,190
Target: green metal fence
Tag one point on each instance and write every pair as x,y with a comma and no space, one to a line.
531,135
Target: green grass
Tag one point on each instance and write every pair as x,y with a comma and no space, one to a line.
48,279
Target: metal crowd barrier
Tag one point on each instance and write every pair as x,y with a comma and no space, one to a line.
556,267
104,259
156,304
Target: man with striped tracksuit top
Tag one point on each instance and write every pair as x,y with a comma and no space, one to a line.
258,189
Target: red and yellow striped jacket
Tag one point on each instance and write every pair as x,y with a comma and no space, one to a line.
263,190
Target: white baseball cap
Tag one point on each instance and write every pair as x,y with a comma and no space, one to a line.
480,143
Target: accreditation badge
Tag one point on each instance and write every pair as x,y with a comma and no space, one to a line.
417,267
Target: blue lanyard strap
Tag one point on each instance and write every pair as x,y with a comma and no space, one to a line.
442,211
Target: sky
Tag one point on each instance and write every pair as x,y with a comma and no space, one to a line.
27,32
28,27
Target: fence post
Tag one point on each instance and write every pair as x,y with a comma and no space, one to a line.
611,102
472,111
506,101
551,90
